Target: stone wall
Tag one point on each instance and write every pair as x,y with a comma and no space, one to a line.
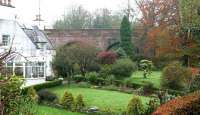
101,37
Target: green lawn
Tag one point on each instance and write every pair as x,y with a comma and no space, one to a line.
154,78
44,110
103,99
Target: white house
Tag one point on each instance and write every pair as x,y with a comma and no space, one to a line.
33,52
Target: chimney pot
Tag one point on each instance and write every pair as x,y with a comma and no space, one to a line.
9,2
5,2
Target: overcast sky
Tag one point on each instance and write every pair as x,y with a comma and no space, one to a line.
54,9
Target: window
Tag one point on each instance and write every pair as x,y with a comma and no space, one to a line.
35,70
5,40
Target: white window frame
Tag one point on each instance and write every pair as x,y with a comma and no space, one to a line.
39,69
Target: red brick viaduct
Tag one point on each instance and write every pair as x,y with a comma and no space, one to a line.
102,37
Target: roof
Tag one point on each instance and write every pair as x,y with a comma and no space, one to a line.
37,36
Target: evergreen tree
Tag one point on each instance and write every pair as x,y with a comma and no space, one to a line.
126,35
67,101
79,103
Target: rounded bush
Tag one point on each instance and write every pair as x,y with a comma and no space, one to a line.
47,96
123,68
79,78
92,77
135,107
174,76
105,71
186,105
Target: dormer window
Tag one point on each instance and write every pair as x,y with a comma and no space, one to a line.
5,40
41,45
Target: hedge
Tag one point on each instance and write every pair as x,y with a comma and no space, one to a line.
186,105
45,85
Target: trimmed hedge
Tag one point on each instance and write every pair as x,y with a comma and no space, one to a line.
45,85
186,105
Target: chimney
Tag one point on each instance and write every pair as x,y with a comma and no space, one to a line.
9,2
5,2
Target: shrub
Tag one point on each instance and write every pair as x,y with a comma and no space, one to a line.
186,105
110,80
92,77
195,85
12,102
105,71
135,107
79,78
32,94
146,66
123,68
47,96
10,94
174,76
79,103
26,106
67,101
106,57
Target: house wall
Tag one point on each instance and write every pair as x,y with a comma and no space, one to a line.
21,42
24,46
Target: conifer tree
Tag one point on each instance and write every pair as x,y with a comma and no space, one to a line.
79,103
67,101
126,35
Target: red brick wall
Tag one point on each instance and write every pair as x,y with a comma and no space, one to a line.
102,37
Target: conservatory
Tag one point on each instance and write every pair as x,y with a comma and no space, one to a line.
28,70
